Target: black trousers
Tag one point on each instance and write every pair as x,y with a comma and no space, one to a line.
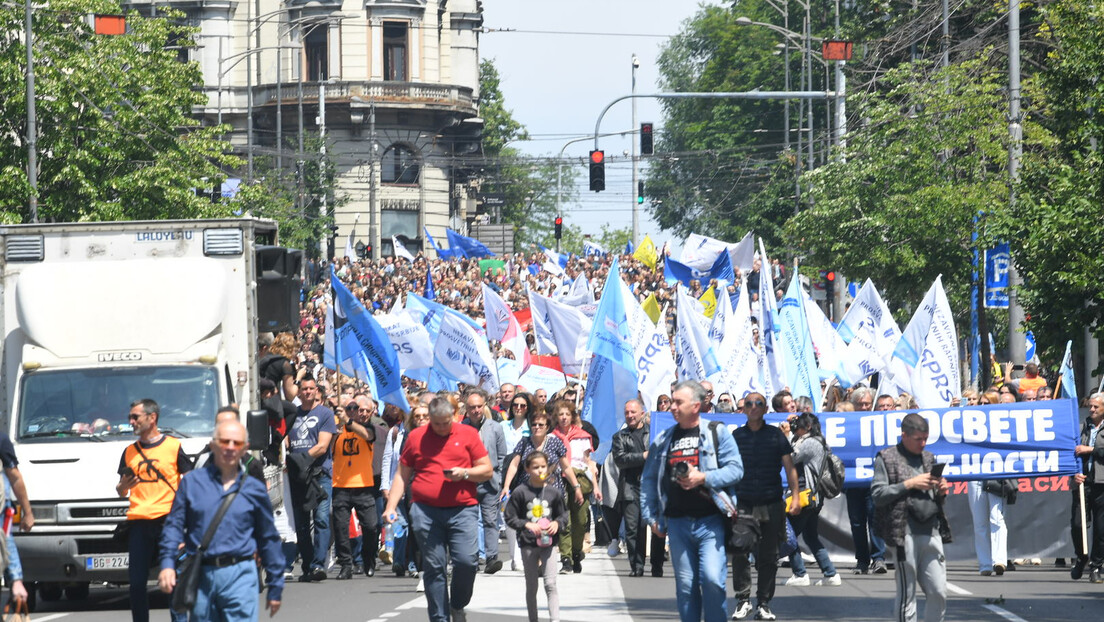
636,534
363,500
772,528
1094,515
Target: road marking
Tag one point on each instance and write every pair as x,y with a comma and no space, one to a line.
958,590
52,616
1004,613
595,594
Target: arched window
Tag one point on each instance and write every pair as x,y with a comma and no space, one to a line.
400,166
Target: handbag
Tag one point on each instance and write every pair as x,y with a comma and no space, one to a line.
187,569
788,546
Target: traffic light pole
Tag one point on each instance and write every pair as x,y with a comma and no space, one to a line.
809,95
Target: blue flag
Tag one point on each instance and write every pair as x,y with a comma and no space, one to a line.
629,248
675,271
430,294
1069,382
383,364
612,379
466,247
796,342
443,253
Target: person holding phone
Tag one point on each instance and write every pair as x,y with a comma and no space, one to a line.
908,491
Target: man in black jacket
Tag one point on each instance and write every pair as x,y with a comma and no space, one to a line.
630,450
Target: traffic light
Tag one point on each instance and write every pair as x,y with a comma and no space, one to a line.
830,283
559,227
640,193
647,145
597,170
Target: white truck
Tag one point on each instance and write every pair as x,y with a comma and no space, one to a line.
97,315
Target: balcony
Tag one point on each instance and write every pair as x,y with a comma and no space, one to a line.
415,95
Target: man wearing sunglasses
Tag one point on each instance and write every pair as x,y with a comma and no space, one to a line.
765,451
149,474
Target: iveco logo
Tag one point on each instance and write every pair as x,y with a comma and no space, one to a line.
112,512
120,357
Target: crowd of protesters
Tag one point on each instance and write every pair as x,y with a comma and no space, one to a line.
525,444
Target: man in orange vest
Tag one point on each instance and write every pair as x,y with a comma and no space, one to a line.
149,474
354,489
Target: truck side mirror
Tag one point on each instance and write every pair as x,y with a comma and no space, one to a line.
256,425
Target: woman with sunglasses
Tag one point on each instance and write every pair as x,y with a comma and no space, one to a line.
559,468
516,427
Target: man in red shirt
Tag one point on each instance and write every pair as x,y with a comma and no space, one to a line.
441,463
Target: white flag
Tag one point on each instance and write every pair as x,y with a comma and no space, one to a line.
770,333
542,326
738,360
929,347
696,358
830,347
463,354
400,250
655,365
871,334
409,338
496,312
570,330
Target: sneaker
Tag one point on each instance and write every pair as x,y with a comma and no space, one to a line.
796,581
493,565
614,548
832,580
421,584
743,608
345,573
1096,576
565,565
1078,569
577,562
385,557
318,574
998,569
860,570
458,615
879,567
763,612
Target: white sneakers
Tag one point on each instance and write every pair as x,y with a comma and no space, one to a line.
743,609
614,548
796,581
832,580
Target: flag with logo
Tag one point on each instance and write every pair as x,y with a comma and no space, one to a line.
798,354
929,349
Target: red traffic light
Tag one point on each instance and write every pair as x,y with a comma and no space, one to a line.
597,157
830,275
559,221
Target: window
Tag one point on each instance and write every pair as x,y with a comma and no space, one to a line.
315,51
399,166
402,224
394,51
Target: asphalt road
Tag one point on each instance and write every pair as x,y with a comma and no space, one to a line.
603,592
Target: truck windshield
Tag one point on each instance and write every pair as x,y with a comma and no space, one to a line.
92,403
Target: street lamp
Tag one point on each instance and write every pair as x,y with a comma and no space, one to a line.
635,207
240,56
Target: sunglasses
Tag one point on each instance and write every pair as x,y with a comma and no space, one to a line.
521,405
539,425
755,403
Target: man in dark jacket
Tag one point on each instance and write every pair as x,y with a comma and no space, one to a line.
908,506
630,451
1090,450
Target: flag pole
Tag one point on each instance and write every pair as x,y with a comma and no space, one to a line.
337,342
1084,532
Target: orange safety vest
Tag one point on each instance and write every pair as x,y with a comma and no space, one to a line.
152,497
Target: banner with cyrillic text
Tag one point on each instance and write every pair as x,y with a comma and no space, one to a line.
1027,439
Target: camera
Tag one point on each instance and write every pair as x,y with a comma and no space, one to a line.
681,470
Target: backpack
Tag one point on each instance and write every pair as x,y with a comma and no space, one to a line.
830,480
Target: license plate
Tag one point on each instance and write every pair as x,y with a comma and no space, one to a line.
107,562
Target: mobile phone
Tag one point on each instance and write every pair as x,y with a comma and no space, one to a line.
937,469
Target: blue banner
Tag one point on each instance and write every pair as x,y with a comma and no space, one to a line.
998,261
1028,439
463,246
677,271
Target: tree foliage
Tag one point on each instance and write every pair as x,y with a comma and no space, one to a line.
116,140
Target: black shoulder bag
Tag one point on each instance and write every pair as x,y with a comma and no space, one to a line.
187,569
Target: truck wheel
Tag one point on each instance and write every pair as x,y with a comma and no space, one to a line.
77,592
50,592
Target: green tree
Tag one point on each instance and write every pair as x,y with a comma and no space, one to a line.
899,207
116,140
614,240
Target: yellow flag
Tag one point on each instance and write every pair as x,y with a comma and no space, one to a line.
651,307
709,301
646,253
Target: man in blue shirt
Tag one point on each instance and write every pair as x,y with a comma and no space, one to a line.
228,580
310,472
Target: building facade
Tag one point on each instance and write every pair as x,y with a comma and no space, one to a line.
391,86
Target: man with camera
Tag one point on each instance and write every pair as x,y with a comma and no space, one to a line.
683,494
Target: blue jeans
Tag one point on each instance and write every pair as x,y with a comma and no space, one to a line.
701,567
227,594
313,548
445,533
860,512
807,525
143,543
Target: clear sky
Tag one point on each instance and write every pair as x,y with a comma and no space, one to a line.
557,80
